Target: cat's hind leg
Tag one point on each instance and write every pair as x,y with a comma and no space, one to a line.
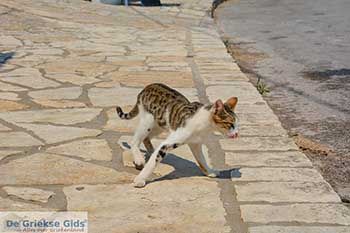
156,157
147,141
173,141
144,127
148,144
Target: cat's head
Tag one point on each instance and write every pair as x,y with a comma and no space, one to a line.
224,118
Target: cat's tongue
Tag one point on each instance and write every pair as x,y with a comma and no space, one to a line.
232,134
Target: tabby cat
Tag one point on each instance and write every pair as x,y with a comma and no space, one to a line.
164,109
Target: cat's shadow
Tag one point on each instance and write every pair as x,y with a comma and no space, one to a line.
186,168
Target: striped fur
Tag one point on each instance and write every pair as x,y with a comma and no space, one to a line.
169,107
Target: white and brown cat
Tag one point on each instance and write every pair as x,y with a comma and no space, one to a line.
164,109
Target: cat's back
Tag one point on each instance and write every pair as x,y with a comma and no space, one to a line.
161,93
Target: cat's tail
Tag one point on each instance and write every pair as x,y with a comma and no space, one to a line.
126,116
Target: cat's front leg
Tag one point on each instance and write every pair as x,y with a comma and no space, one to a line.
197,152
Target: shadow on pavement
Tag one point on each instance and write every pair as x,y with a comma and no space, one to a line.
187,168
5,56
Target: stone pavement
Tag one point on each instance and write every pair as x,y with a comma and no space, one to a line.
65,65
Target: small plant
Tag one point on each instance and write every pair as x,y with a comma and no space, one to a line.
262,87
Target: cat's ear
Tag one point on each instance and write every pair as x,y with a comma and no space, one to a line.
218,105
232,102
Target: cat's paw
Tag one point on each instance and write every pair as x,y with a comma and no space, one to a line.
213,174
139,182
139,162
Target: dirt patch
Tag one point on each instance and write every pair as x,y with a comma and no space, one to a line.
306,144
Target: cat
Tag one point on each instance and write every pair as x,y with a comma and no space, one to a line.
162,108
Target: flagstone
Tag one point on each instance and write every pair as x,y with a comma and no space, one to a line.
191,200
45,168
263,130
10,205
57,93
276,174
56,116
111,97
54,134
9,41
46,51
126,60
274,192
141,79
73,78
29,194
28,77
267,159
71,66
297,213
4,128
17,139
7,105
5,153
9,87
262,119
60,103
89,149
244,93
9,96
299,229
258,143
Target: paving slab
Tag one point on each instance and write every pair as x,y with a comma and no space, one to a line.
111,97
88,149
28,77
276,174
9,96
297,213
245,93
55,116
147,210
259,143
7,105
260,130
267,159
5,153
299,229
73,78
8,204
29,194
4,128
274,192
17,139
58,93
45,168
54,134
10,87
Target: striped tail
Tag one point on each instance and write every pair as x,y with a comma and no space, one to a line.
126,116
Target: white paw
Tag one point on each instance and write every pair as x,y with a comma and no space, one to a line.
139,182
213,174
139,162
